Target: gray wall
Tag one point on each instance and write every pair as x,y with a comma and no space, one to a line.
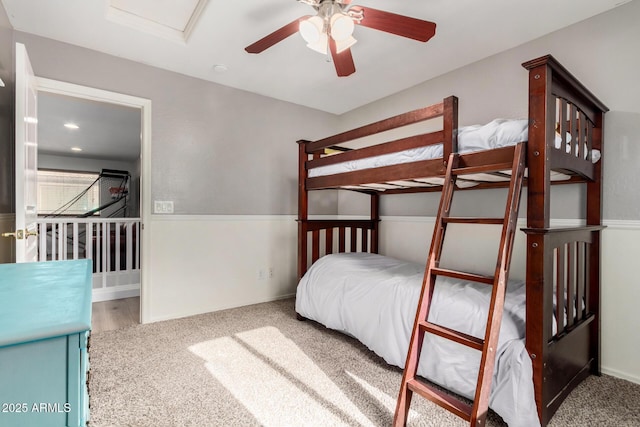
218,150
602,52
215,150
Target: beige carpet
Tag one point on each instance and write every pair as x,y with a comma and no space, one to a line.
259,366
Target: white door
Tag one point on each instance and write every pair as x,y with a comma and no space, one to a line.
26,153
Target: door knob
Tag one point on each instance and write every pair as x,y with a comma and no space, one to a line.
20,234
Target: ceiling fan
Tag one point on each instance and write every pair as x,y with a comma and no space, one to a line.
331,29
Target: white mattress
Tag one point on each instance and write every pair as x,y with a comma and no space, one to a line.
495,134
374,299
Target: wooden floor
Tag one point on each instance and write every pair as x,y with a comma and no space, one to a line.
115,314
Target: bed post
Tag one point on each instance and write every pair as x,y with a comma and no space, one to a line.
450,127
594,217
375,219
539,308
303,208
561,361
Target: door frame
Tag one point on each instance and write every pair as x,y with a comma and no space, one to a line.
93,94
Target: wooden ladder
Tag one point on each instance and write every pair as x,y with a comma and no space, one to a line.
477,412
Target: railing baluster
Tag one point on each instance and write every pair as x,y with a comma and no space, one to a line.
42,248
75,240
129,246
105,252
117,242
137,234
88,243
54,244
62,241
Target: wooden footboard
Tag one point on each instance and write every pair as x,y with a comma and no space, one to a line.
563,322
323,237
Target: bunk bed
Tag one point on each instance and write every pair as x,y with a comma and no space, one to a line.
559,325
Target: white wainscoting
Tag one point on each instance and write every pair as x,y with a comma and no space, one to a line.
200,264
203,263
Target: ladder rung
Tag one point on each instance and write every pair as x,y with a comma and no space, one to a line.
440,398
453,335
464,276
469,220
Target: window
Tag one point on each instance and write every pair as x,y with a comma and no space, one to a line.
67,193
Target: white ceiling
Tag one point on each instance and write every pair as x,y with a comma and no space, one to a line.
105,131
467,31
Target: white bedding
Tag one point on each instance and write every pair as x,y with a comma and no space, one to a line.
495,134
374,299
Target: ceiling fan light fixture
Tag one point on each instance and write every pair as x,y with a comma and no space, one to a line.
345,44
319,45
342,27
312,29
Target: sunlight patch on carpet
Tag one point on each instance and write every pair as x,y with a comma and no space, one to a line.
385,400
276,381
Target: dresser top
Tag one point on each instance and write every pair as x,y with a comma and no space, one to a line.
41,300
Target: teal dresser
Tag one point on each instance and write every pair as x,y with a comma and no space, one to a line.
45,319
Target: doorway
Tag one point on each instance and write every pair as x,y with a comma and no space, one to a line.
53,90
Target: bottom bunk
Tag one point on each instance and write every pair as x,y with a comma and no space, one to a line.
549,339
374,298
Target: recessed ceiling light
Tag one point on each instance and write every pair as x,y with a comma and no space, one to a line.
220,68
76,149
71,126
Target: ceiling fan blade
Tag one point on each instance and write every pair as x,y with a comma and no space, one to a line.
277,36
343,61
399,25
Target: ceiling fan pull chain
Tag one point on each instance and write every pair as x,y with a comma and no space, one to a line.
356,15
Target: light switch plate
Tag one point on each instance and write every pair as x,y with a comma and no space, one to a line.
162,207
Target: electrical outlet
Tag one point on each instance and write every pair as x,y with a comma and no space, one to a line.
270,272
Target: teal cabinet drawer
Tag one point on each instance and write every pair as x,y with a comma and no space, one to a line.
43,383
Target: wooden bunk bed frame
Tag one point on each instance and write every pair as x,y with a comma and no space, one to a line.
563,264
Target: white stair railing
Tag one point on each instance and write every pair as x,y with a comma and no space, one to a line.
112,243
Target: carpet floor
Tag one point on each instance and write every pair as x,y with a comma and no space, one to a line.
259,366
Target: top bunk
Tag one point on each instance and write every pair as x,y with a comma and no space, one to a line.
563,134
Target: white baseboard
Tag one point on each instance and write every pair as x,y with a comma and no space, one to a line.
619,374
218,308
116,292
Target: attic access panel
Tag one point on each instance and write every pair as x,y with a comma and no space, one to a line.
169,19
